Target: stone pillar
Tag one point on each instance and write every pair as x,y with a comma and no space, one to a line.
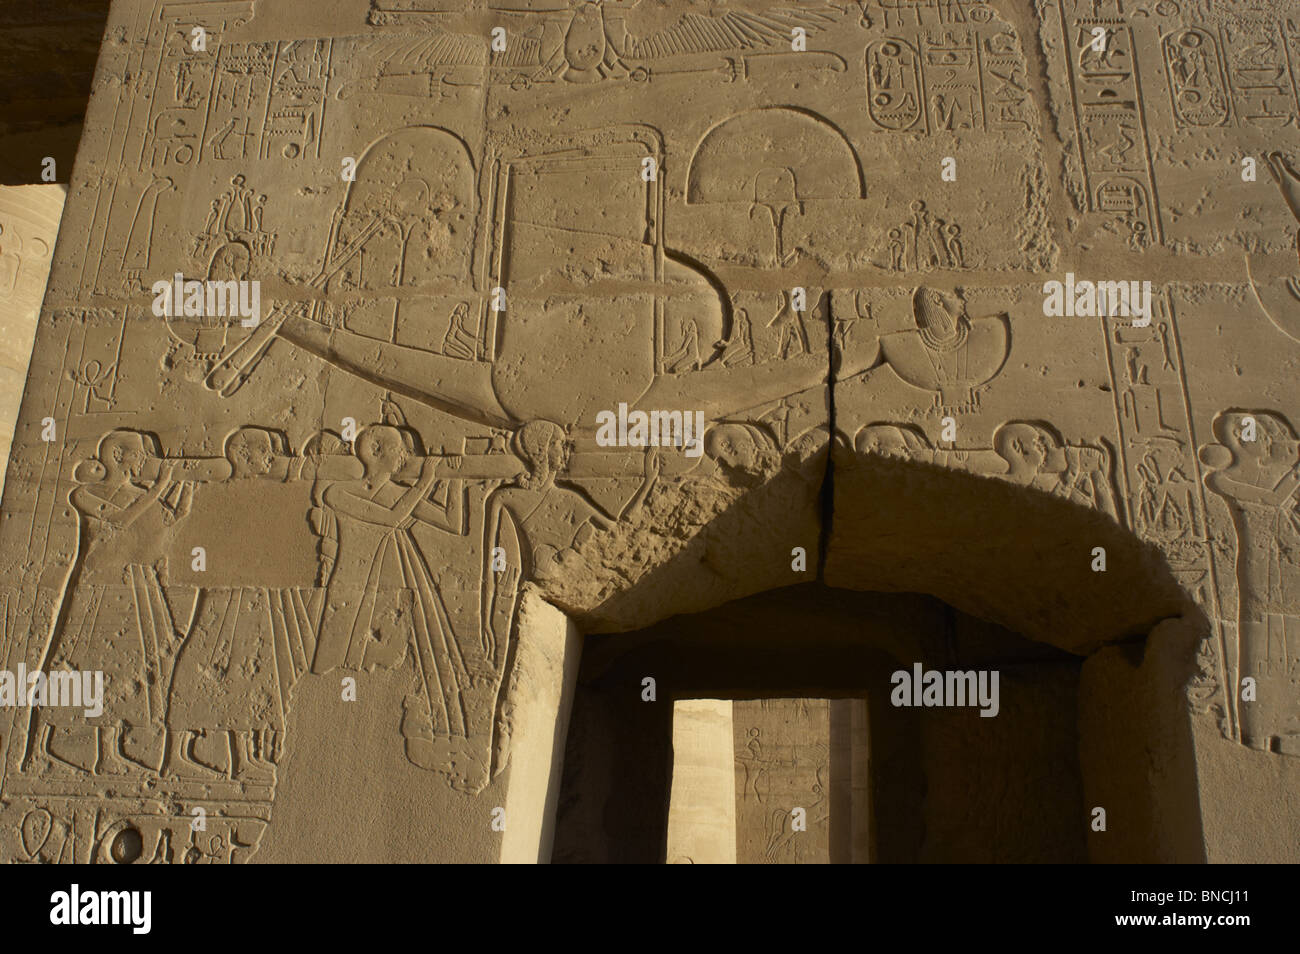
770,781
29,223
702,807
541,697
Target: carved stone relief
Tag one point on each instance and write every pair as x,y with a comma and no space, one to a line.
589,317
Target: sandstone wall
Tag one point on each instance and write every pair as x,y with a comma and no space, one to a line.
300,544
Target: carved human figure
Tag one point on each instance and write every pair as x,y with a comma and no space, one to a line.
948,351
1259,480
896,441
115,617
686,357
738,347
382,597
549,520
887,72
1189,69
897,249
1027,451
531,531
320,448
927,244
793,335
226,683
461,341
231,261
744,456
374,516
1036,458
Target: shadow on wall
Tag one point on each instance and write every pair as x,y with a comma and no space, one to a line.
48,51
1095,711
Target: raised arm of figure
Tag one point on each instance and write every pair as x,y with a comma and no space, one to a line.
121,517
453,514
500,579
342,499
1222,484
653,467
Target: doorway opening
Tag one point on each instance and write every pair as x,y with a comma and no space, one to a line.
784,701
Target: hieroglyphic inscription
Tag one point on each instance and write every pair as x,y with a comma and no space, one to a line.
1110,118
1160,474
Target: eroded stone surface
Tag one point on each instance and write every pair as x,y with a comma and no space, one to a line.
834,258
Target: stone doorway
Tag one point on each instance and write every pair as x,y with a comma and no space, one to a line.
645,782
770,781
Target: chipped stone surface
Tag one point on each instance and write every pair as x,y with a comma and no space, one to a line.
818,239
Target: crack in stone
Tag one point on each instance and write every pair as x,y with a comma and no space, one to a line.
827,495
